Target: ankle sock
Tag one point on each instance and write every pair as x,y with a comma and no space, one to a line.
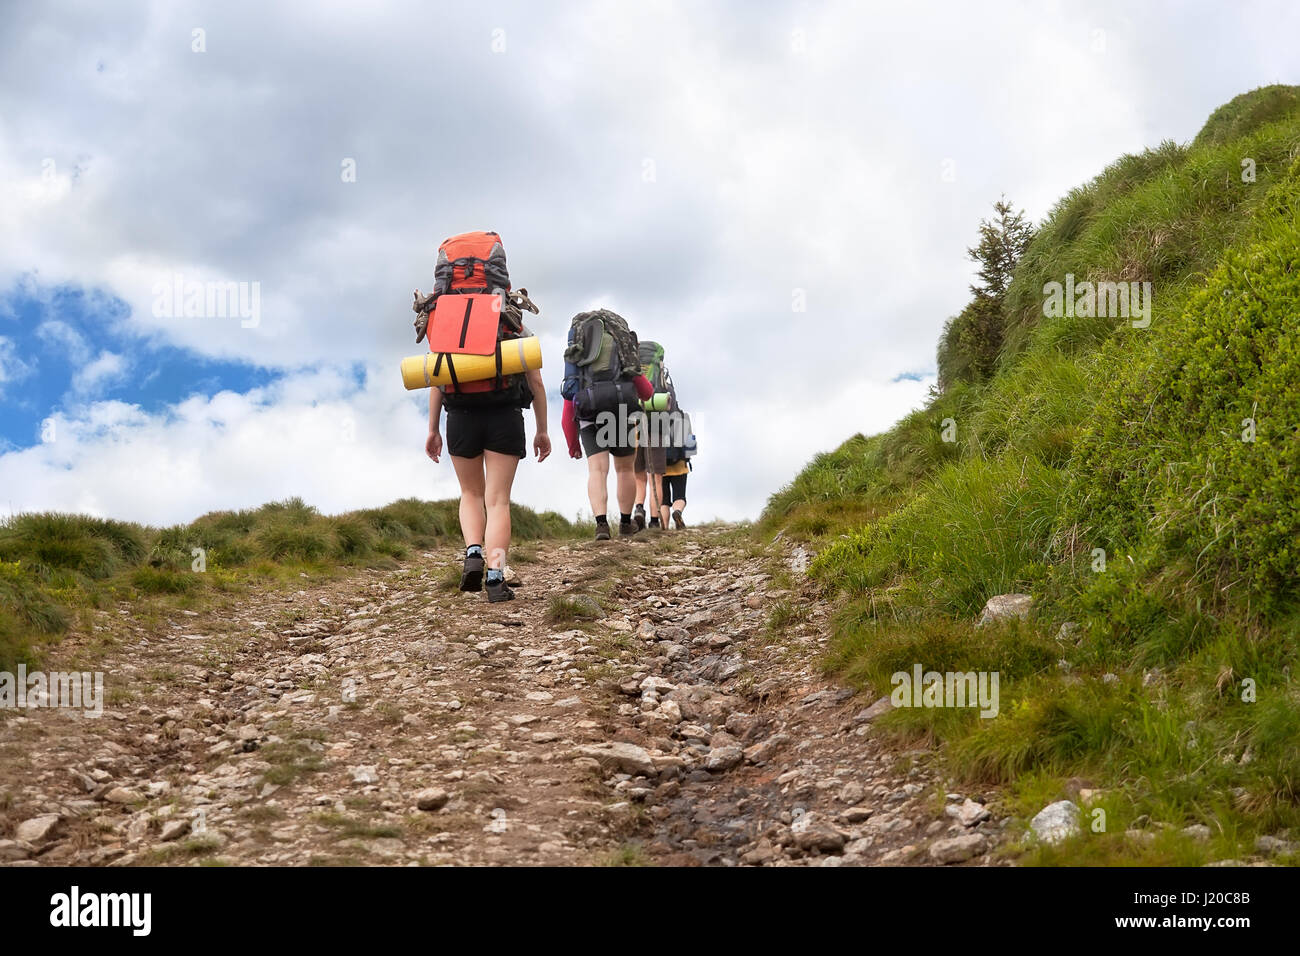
627,518
601,519
495,576
474,551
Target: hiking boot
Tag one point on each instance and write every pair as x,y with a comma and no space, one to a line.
471,578
498,591
627,528
678,523
602,531
655,525
638,516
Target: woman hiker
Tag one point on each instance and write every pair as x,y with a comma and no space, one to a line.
485,420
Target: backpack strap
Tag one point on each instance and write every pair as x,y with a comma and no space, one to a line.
451,368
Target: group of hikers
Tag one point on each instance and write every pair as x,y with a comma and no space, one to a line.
620,406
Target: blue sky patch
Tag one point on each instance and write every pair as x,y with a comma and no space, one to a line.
65,347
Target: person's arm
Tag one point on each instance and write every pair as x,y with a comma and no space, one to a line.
541,440
644,387
433,443
569,422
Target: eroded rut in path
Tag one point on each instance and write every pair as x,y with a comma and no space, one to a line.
386,718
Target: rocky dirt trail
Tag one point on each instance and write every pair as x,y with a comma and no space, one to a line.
384,718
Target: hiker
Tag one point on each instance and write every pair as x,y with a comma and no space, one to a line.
603,388
674,490
648,469
650,462
485,419
678,454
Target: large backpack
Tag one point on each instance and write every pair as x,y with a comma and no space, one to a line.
471,262
651,356
682,445
603,355
471,312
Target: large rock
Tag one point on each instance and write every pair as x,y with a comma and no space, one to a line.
882,706
38,829
12,850
812,832
625,757
764,750
1003,607
1056,822
122,795
969,813
724,758
174,830
434,798
958,849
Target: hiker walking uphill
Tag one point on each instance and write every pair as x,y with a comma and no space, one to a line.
651,437
603,388
677,435
471,314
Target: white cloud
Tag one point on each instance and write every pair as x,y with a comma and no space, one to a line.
59,333
12,368
104,370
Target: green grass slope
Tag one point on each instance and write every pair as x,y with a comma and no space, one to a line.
1142,484
54,566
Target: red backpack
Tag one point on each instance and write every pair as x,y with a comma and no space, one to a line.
468,316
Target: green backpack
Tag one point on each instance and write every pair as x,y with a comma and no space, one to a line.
651,355
600,363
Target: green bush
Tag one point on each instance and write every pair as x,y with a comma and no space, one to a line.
1167,455
49,543
151,580
979,528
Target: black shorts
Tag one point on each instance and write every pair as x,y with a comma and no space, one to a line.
674,489
470,432
590,446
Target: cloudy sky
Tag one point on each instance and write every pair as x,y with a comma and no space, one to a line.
703,168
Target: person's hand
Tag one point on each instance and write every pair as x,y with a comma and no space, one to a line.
542,446
433,445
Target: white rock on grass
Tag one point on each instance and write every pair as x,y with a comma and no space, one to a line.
1056,822
1003,607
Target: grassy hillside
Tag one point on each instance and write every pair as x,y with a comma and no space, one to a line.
54,566
1140,483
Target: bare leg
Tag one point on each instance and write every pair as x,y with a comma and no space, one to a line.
625,479
473,514
500,477
641,486
598,482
